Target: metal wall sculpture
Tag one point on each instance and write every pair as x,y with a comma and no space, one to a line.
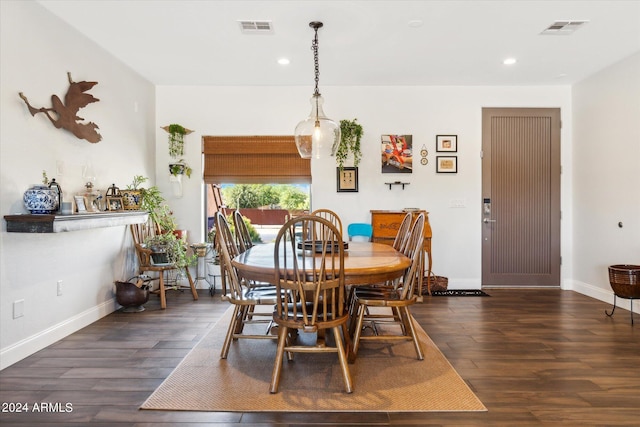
65,115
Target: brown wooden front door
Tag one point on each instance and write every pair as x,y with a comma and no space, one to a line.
521,197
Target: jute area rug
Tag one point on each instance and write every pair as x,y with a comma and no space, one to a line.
387,377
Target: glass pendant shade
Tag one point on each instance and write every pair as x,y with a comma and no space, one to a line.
316,133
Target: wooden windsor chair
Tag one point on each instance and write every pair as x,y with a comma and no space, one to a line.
310,294
243,237
399,298
142,232
330,216
243,298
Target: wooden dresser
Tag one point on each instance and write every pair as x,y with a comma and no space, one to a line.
385,227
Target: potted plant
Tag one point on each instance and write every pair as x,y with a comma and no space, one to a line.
168,249
132,195
176,139
180,168
350,136
150,200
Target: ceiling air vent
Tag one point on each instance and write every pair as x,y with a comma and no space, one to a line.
563,28
256,27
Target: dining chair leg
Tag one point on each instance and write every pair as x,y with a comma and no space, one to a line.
358,330
348,385
348,344
162,291
277,365
223,277
192,285
242,316
230,331
407,319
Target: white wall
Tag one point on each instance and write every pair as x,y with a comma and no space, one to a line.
606,183
37,50
422,112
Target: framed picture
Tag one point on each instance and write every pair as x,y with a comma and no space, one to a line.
114,203
447,164
447,143
347,179
81,204
397,153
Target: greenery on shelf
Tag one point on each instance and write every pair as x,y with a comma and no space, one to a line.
152,201
138,180
350,137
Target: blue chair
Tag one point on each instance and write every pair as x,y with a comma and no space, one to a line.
360,229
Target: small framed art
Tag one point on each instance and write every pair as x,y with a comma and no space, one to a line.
115,203
447,164
347,180
446,143
81,204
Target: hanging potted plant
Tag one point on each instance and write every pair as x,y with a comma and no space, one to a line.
180,168
176,139
350,136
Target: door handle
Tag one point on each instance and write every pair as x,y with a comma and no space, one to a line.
487,220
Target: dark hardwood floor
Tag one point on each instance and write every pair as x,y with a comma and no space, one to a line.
533,357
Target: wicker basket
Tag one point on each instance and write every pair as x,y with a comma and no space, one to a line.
625,280
438,283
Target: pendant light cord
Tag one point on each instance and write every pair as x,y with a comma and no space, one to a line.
314,47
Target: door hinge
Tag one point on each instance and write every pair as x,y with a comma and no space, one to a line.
481,154
560,260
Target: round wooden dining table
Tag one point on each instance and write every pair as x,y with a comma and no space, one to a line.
364,263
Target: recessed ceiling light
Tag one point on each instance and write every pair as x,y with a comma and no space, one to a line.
415,23
509,61
283,61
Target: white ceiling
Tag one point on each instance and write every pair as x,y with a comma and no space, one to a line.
171,42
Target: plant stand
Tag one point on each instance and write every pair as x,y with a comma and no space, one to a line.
202,250
213,267
625,282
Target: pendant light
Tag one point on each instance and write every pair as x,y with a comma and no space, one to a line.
317,132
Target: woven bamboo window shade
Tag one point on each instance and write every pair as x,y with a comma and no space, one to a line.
254,160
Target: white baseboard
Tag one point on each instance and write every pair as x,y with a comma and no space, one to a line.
26,347
605,295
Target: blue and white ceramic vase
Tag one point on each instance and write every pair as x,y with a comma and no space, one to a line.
40,199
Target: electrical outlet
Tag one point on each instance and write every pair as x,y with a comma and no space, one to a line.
59,288
18,308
